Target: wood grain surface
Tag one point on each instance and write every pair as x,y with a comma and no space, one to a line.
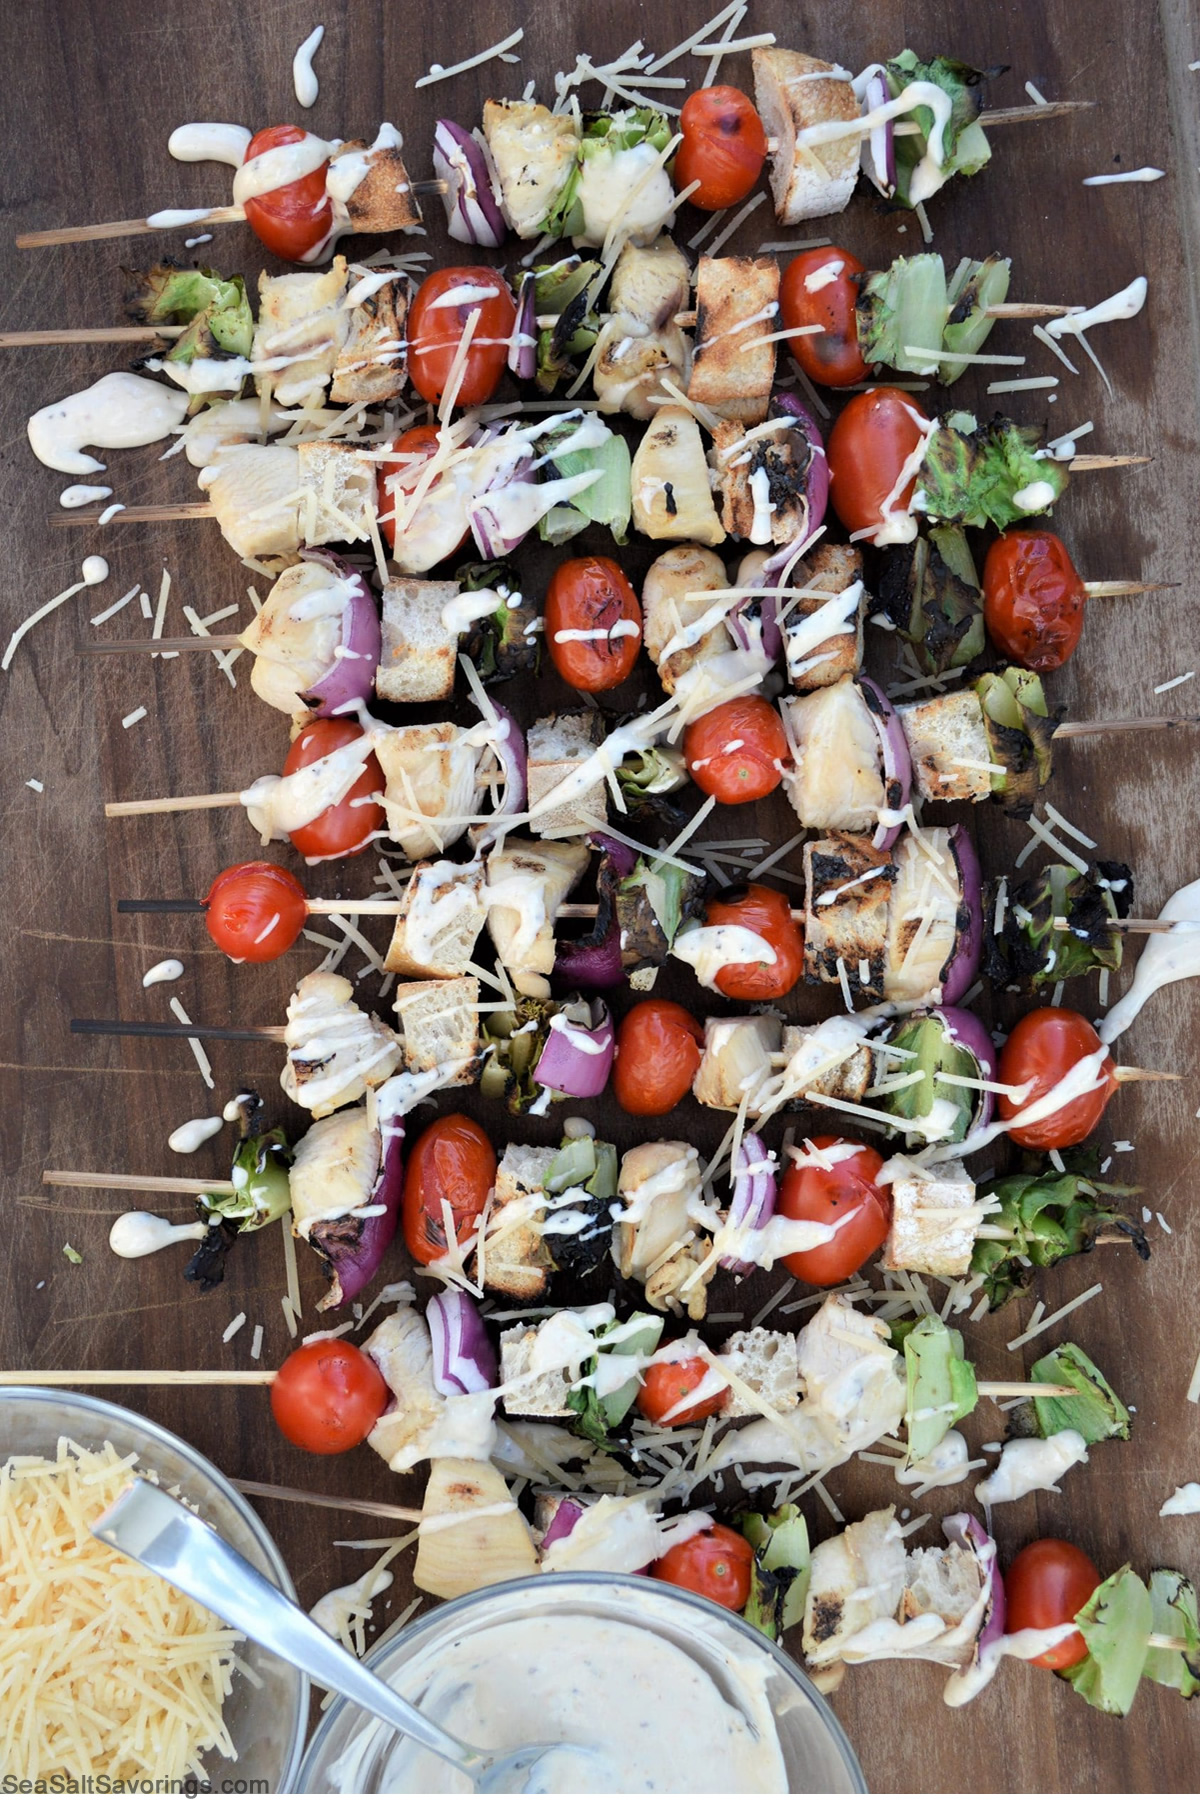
93,88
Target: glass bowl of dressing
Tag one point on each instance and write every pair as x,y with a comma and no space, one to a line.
266,1712
662,1691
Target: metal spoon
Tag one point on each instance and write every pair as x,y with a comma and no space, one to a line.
156,1531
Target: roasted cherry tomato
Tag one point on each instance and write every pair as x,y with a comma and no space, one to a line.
256,911
452,1160
658,1053
293,219
824,1196
327,1396
724,147
1041,1048
871,441
820,287
593,623
737,751
716,1563
1047,1583
1033,599
347,828
665,1385
440,315
765,911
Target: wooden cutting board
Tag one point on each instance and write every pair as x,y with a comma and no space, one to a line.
96,88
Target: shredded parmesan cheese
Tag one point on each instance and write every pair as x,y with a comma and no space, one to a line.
1032,1330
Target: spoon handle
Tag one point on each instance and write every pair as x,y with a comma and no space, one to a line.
166,1538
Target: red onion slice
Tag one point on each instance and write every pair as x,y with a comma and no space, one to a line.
816,481
970,1035
965,1530
509,742
472,198
895,762
963,963
522,348
595,961
351,676
754,1189
567,1514
879,147
577,1058
464,1361
352,1257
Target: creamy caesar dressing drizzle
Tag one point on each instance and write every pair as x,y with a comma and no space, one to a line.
1184,1500
835,617
710,948
141,1234
277,805
765,1245
82,495
598,1688
304,79
461,612
353,1600
928,175
170,969
188,1137
966,1683
760,494
210,143
945,1465
624,185
117,412
280,166
1034,498
1169,956
172,217
1123,305
1027,1464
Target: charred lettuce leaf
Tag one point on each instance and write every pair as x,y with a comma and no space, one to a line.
598,1415
653,903
1115,1623
647,778
780,1572
586,1169
903,306
974,287
1173,1614
930,591
965,148
989,474
608,502
513,1043
1030,950
932,1052
216,311
501,644
941,1384
1094,1410
1020,732
564,292
262,1194
1050,1215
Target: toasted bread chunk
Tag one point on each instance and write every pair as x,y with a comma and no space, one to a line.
420,653
639,343
543,1396
949,747
761,483
337,493
517,1261
382,198
439,1021
733,364
533,152
845,915
766,1362
925,1234
847,1079
808,181
814,661
556,745
372,364
442,912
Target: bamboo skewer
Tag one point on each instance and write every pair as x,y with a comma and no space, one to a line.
104,334
118,228
1111,590
141,1184
1022,115
379,908
374,1509
1139,927
156,1028
156,646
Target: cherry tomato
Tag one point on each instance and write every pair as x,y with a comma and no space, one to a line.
436,323
452,1160
715,1563
872,439
327,1396
256,911
826,1195
593,623
1040,1050
665,1384
724,147
441,513
766,911
344,829
810,296
289,220
1033,599
737,751
658,1053
1047,1584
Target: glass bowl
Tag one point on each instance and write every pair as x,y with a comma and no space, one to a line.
817,1756
268,1723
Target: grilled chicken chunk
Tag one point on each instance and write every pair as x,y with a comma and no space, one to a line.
669,480
658,1237
533,152
823,638
836,784
673,604
431,791
927,913
302,324
526,885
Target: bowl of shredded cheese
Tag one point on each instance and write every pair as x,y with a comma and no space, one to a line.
106,1671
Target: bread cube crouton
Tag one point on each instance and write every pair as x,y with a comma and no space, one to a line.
948,744
439,1021
420,652
945,1582
442,912
544,1396
737,1059
808,181
815,660
765,1361
337,493
669,481
934,1220
848,888
372,364
381,198
733,363
517,1261
762,483
848,1078
555,747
